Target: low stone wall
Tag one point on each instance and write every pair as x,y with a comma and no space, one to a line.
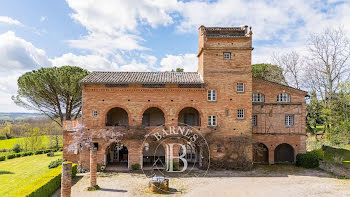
337,169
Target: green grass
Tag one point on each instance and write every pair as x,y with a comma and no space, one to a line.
8,144
331,154
19,172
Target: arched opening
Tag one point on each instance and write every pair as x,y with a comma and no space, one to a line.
260,153
189,116
153,117
153,156
284,153
117,156
117,117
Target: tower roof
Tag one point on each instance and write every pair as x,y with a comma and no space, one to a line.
226,32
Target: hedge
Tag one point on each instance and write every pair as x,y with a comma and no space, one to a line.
11,156
45,185
18,155
2,158
27,154
307,160
38,152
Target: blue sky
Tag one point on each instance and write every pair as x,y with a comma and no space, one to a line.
137,35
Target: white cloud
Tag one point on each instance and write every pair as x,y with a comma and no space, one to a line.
8,20
89,62
16,54
188,62
43,18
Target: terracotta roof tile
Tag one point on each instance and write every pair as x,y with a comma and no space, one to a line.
143,78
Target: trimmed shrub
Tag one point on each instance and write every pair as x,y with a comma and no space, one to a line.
307,160
135,166
49,150
319,153
2,137
16,148
2,158
18,155
45,185
27,154
55,164
38,152
11,156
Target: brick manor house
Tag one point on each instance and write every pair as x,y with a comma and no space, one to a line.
221,99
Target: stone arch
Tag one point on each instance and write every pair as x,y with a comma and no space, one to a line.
153,154
284,153
121,107
260,153
202,120
163,116
118,158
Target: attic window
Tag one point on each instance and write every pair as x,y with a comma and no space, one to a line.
117,85
153,85
189,85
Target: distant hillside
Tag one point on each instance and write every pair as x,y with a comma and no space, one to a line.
18,116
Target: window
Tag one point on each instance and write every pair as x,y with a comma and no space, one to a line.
211,95
227,55
240,114
94,113
212,121
283,97
258,97
289,121
255,120
240,87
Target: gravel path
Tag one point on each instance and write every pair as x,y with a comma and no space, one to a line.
262,181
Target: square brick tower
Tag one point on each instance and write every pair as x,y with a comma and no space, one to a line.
224,62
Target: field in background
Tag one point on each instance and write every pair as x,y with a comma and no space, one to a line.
19,172
8,144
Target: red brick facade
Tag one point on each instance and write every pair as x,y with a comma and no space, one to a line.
219,74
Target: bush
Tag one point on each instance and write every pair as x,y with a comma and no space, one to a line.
18,155
135,166
49,150
307,160
38,152
11,156
16,148
55,164
2,137
319,153
2,158
45,185
5,150
27,154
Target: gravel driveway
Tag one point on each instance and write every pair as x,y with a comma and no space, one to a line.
277,180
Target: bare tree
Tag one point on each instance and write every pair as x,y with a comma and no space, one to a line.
328,61
292,64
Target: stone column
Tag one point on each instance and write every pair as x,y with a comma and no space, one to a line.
93,167
66,179
271,156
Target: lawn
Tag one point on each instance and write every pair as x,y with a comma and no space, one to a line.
8,144
332,154
19,172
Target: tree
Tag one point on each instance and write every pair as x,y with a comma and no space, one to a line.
53,91
292,64
177,70
328,62
269,72
54,133
7,130
34,137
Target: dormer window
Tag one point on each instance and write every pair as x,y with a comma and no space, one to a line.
227,55
283,98
258,97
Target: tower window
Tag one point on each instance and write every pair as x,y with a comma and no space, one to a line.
255,120
289,121
240,114
227,55
212,121
240,87
211,95
94,113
